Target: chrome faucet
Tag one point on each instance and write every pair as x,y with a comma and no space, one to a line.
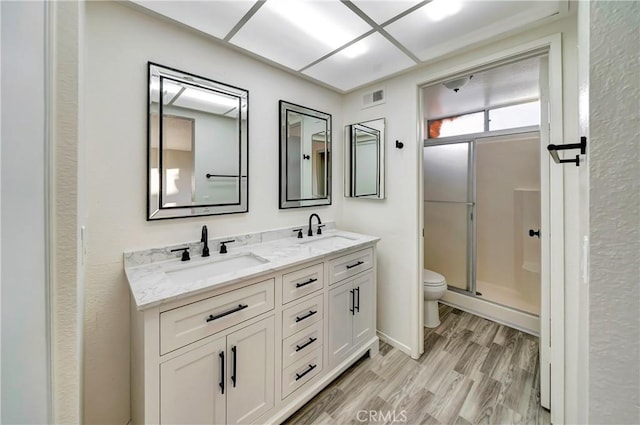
205,239
310,232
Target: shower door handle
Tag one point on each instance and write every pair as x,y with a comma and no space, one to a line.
533,233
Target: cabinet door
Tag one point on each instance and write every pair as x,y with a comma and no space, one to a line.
251,383
340,322
364,320
190,391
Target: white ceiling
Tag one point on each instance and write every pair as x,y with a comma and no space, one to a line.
347,44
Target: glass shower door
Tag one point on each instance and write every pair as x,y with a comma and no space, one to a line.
448,209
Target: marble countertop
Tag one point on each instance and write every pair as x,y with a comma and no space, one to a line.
151,285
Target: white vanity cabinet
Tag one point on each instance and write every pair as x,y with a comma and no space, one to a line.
256,350
228,380
351,315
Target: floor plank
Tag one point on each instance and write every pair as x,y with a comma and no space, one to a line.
473,371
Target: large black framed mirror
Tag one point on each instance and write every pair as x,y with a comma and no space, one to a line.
197,145
364,169
305,156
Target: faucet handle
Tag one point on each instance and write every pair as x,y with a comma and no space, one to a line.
223,247
299,232
185,253
319,231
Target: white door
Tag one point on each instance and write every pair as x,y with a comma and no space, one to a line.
251,365
190,386
340,322
364,318
545,307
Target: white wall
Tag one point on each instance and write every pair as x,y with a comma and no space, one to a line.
396,219
614,213
115,97
25,345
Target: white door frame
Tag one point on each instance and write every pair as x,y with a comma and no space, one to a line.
552,281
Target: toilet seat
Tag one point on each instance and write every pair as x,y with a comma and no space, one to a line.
431,278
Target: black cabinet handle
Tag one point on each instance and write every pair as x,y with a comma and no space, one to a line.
226,313
311,341
533,233
311,313
221,372
300,375
300,285
356,305
233,370
355,265
352,303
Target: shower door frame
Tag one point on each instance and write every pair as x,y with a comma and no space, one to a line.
552,356
472,222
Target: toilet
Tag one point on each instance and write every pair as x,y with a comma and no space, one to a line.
435,287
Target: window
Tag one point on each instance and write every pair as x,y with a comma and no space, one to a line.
501,118
456,125
514,116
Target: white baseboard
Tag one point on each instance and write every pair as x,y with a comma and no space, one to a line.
522,321
395,343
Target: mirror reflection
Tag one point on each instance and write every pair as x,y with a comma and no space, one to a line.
305,141
197,145
364,159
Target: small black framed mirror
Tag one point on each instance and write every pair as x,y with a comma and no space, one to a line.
197,145
305,156
364,171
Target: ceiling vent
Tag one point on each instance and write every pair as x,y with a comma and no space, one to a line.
373,98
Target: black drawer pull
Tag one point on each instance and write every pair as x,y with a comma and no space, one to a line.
352,302
311,341
311,313
300,375
234,377
300,285
221,355
226,313
355,265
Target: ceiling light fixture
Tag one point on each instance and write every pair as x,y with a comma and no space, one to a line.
355,49
437,10
311,20
458,83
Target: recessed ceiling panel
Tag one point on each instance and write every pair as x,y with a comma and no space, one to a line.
295,33
383,10
215,18
371,58
511,83
443,26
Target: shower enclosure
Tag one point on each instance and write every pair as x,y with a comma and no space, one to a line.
482,217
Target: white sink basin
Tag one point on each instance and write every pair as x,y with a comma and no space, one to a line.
187,273
328,242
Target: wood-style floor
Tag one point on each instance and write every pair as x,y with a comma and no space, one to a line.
473,371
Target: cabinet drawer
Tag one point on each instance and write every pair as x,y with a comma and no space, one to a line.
302,282
298,317
184,325
349,265
301,372
299,345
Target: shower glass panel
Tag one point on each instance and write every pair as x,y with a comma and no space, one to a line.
447,212
507,207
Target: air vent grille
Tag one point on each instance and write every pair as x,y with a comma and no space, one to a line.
373,98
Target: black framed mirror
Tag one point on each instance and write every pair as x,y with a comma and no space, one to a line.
364,160
305,156
197,145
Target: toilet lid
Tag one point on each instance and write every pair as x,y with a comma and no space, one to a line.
430,277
